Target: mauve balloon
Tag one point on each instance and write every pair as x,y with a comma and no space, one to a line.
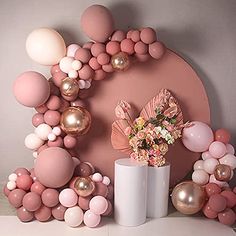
58,212
15,197
54,167
138,85
43,213
24,215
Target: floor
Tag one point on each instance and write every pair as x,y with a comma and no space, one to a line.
175,224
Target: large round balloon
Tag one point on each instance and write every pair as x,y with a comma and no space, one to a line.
54,167
97,23
45,46
31,89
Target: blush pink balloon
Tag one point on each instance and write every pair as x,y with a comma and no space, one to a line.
68,197
156,50
198,165
100,189
217,149
71,49
197,137
6,191
214,180
88,45
54,167
209,165
229,160
91,220
200,177
97,23
55,69
31,89
98,205
230,149
206,155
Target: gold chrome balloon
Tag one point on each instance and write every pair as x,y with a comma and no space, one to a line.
120,61
188,197
69,87
222,172
75,121
84,186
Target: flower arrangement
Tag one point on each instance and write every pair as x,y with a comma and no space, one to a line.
149,138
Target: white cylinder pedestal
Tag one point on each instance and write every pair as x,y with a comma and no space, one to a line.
130,192
158,191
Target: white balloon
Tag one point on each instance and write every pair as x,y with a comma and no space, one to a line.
198,165
81,84
230,148
56,130
200,177
229,160
74,216
210,165
87,84
12,177
73,74
71,50
33,142
76,65
106,180
52,137
66,64
43,130
45,46
11,185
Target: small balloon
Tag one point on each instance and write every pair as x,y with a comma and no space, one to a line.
74,216
222,135
222,172
188,197
69,87
75,121
120,61
83,186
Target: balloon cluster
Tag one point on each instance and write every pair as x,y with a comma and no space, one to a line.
75,203
209,189
218,160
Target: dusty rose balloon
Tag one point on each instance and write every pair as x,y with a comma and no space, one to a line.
58,142
108,68
54,167
156,50
212,188
70,141
6,191
99,75
21,171
24,182
118,36
97,23
24,215
41,109
217,202
83,202
53,102
147,35
110,192
208,212
230,198
83,170
197,137
98,48
127,46
43,214
100,189
52,118
58,212
83,55
222,135
37,187
112,47
86,72
15,197
55,69
45,46
37,119
103,58
135,36
50,197
214,180
142,57
31,89
32,201
227,217
58,77
140,48
94,63
217,149
108,211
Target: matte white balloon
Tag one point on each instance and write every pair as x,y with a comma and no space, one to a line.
45,46
43,130
200,177
230,149
73,74
76,65
33,142
229,160
66,64
71,50
11,185
206,155
210,165
74,216
12,177
198,165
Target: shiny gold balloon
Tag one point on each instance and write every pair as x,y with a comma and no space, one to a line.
120,61
69,87
222,172
84,186
75,121
188,197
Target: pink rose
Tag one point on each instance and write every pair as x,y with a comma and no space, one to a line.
133,155
128,131
140,135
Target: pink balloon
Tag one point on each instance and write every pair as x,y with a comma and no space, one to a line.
91,220
15,197
43,214
58,77
88,45
50,197
156,50
112,47
148,35
86,72
37,119
212,188
21,171
94,63
41,109
142,57
56,143
83,202
227,217
58,212
54,167
230,149
31,89
52,118
71,49
99,75
100,189
118,36
108,211
32,201
68,197
98,48
135,36
110,192
97,23
37,187
24,182
229,160
230,198
70,141
98,205
6,191
53,102
208,212
198,165
209,165
24,215
197,137
127,45
217,149
55,69
214,180
83,55
217,202
200,177
108,68
103,58
141,48
206,155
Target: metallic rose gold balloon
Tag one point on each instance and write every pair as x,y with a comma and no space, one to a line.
188,197
222,172
84,186
69,87
75,120
120,61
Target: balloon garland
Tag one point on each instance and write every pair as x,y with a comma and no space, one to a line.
60,186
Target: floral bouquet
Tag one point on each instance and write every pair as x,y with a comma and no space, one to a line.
160,123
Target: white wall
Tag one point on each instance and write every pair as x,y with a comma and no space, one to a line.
202,31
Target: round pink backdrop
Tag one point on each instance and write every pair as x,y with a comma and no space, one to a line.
137,86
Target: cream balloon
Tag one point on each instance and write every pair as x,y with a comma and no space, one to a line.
45,46
33,142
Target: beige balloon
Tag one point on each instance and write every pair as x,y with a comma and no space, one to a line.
188,197
45,46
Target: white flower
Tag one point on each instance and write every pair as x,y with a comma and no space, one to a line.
158,129
164,132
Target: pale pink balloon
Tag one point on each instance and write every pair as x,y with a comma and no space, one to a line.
71,49
108,212
54,167
127,45
91,220
31,89
198,165
200,177
206,155
197,137
68,197
98,205
229,160
230,149
209,165
217,149
97,23
156,50
118,36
